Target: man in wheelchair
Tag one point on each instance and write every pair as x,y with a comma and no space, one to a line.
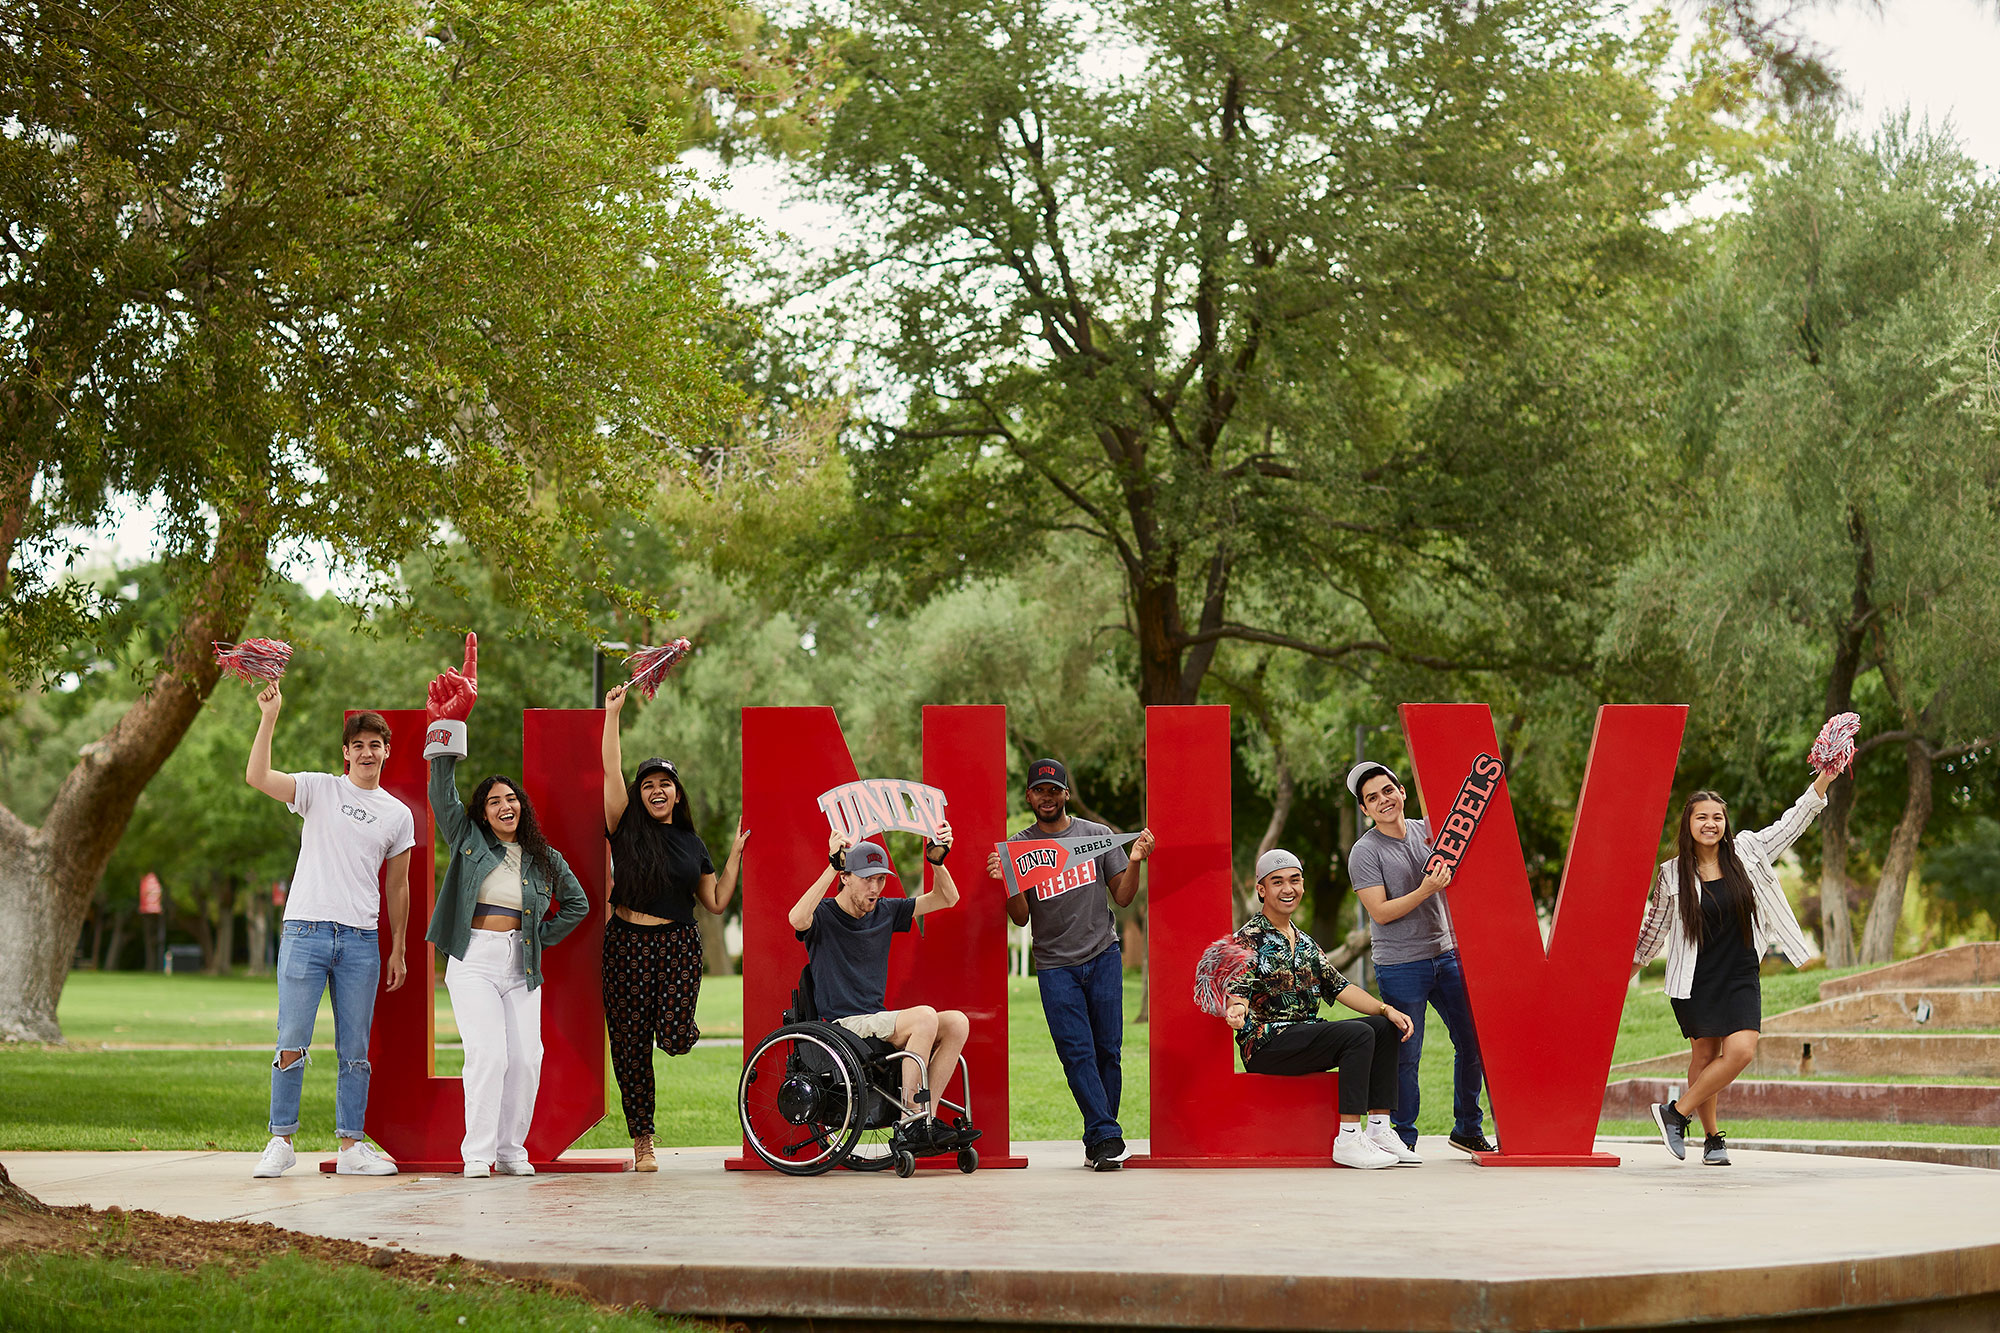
847,938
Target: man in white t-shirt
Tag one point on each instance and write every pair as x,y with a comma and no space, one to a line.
353,831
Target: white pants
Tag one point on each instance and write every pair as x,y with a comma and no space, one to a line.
500,1020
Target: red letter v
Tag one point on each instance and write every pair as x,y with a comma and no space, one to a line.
1547,1020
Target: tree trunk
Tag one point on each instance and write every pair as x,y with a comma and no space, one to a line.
225,928
48,874
1878,936
258,924
1836,930
116,949
15,1198
715,961
153,938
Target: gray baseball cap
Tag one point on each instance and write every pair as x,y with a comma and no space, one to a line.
866,859
1365,770
1277,859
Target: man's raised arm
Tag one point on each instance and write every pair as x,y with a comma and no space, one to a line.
258,772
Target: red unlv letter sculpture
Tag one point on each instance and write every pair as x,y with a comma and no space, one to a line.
1547,1019
418,1117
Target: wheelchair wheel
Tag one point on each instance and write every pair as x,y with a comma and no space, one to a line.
906,1163
968,1160
874,1150
800,1100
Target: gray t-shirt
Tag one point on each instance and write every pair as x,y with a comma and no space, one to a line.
1075,925
1398,866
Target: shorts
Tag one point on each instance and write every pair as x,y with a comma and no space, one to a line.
880,1026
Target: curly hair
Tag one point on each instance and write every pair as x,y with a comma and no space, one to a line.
528,831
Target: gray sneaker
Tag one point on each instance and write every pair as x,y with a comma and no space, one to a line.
1714,1152
1673,1128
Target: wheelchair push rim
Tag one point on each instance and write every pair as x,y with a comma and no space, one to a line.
800,1100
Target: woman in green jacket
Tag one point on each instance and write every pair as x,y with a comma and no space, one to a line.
506,896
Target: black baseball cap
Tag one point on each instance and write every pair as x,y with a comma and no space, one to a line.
1048,771
656,765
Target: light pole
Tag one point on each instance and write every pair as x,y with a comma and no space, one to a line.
597,670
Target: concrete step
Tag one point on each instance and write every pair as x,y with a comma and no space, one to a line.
1765,1099
1961,965
1984,1155
1801,1054
1930,1009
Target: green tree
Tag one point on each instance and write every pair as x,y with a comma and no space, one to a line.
354,276
1329,314
1839,495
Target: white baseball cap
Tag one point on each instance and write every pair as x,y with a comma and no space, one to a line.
1277,859
1365,770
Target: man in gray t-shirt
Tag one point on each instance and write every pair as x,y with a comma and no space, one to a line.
1078,964
1416,954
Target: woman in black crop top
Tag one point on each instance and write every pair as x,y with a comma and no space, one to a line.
660,871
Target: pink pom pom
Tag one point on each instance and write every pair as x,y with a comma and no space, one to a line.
651,665
1834,750
254,660
1222,964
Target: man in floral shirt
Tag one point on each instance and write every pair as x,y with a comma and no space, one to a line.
1279,1030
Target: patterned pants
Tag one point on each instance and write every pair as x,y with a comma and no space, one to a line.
652,977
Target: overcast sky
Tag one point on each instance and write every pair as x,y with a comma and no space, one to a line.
1939,57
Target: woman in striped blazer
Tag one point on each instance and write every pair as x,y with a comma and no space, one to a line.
1717,908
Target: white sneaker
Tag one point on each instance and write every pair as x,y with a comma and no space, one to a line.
1389,1141
477,1171
277,1159
520,1168
1356,1151
361,1160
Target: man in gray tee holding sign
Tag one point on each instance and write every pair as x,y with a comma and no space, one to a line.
1078,964
1416,954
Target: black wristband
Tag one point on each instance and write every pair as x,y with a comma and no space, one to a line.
936,852
838,860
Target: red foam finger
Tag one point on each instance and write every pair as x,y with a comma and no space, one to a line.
471,667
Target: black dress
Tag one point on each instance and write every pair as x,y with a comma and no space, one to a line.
1726,996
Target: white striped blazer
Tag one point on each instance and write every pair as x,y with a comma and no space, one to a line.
1774,923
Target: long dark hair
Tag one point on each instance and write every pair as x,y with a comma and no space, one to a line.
638,859
528,831
1738,900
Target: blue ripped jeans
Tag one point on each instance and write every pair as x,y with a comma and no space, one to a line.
313,955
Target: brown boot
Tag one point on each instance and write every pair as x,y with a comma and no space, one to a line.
642,1154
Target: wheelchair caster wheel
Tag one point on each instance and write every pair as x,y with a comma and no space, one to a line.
968,1160
906,1163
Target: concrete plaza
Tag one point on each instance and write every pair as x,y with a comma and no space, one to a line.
1778,1240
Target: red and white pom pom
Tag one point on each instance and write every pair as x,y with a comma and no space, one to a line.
650,665
1222,964
1834,750
257,661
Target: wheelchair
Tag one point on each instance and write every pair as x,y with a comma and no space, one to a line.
815,1096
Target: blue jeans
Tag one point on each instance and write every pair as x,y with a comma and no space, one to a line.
1437,982
313,955
1085,1005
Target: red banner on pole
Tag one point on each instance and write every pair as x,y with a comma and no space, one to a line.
149,894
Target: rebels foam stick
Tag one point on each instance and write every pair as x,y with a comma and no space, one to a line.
1222,964
255,661
1451,835
650,666
1834,750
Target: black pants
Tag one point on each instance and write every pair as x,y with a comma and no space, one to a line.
652,977
1362,1049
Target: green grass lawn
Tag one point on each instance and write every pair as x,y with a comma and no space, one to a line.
74,1293
86,1097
